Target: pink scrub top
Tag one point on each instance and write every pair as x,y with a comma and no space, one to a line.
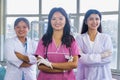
57,55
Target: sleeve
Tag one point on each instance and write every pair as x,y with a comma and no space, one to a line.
108,46
75,49
32,58
90,58
10,54
94,59
86,58
40,49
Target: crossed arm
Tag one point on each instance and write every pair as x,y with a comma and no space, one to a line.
60,67
24,58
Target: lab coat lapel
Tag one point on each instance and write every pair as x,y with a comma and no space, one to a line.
96,45
87,41
18,45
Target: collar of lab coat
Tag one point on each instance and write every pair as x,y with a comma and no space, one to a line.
86,40
17,39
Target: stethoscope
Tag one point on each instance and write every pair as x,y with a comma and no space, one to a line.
25,45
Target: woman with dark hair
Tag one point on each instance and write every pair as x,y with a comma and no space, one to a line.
19,53
59,47
96,48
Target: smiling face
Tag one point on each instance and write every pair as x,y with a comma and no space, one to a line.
21,29
93,22
58,21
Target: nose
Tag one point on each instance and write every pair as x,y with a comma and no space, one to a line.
57,21
94,20
21,28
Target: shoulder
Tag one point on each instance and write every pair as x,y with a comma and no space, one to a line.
104,36
10,40
81,36
31,40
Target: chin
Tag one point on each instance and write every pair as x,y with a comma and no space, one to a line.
21,36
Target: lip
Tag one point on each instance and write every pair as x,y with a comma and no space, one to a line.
57,25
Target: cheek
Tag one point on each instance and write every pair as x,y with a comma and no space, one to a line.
64,22
88,23
16,30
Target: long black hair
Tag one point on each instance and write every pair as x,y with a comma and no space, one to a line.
88,13
67,38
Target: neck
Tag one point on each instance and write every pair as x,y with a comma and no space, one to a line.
57,34
92,34
22,39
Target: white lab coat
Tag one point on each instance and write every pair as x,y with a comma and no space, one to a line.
13,71
91,66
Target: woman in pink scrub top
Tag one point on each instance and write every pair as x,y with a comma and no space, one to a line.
59,47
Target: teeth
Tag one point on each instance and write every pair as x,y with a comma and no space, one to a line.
57,25
20,32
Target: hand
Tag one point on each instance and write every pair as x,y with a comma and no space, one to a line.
106,54
69,58
45,62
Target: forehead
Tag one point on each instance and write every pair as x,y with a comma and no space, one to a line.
94,15
57,14
21,23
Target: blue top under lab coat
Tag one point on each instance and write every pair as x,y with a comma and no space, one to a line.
13,70
91,66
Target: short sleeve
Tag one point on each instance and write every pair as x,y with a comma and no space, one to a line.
40,49
74,49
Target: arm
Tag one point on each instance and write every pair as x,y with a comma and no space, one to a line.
95,58
42,65
10,54
24,64
48,69
66,65
29,58
60,67
99,58
108,46
22,57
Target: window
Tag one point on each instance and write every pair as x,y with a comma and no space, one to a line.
37,10
101,5
47,5
22,7
110,26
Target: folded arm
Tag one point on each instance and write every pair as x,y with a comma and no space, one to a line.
22,57
48,69
28,59
24,64
59,67
66,65
101,58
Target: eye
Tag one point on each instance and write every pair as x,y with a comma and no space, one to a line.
17,27
97,18
90,19
25,27
53,19
60,18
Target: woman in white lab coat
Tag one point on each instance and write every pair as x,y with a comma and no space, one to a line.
19,53
96,49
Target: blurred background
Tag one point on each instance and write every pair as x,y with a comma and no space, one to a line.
36,11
